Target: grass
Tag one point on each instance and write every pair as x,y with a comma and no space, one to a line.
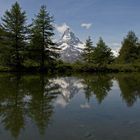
77,67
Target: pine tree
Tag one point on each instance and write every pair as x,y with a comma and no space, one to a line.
42,47
102,54
88,51
129,50
4,46
2,38
14,26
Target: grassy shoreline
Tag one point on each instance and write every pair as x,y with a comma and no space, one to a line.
72,68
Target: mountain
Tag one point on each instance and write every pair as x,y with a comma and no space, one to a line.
68,87
71,47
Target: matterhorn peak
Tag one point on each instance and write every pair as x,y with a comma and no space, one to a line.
69,37
66,35
67,31
71,46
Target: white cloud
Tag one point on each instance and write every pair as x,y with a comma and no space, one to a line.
85,106
115,48
86,25
61,28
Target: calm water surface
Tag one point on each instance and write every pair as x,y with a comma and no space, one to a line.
83,107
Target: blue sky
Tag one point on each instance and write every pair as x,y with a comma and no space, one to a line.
110,19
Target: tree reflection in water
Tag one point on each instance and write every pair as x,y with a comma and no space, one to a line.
41,104
130,87
31,96
11,104
98,85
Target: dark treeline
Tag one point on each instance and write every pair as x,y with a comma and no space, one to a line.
99,86
26,97
31,47
101,58
23,45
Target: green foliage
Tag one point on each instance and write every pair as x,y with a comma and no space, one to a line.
88,51
123,68
102,54
30,63
4,68
26,96
64,68
130,49
98,85
4,47
13,34
42,48
130,87
99,56
33,47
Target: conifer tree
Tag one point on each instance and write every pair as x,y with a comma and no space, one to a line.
4,48
130,49
88,51
42,47
102,54
14,28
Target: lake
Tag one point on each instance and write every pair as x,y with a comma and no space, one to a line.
79,107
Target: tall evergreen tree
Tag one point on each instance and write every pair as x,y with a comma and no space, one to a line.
14,26
88,51
42,47
2,38
4,48
130,49
102,54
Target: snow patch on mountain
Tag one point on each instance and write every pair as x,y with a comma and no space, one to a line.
69,87
71,46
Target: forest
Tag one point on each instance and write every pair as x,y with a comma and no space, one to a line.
30,47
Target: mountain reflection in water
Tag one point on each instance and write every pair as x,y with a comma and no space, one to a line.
35,101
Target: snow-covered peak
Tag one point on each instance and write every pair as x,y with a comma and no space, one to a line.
69,87
66,34
71,46
69,38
